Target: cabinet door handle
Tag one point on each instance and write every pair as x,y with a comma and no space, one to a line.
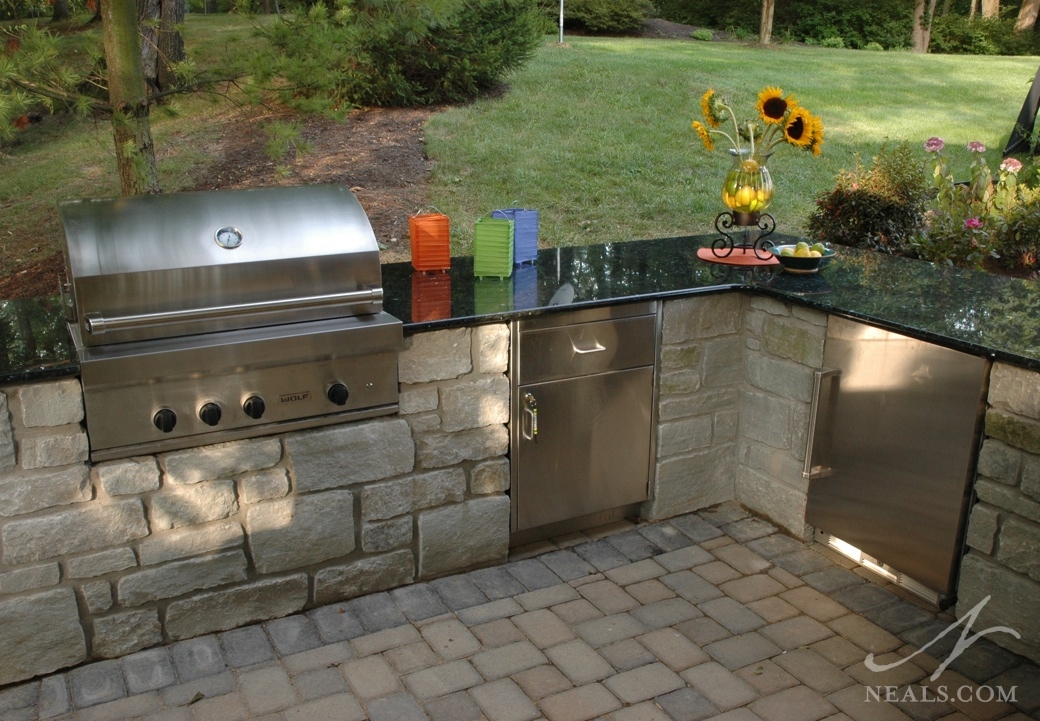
598,348
810,470
529,429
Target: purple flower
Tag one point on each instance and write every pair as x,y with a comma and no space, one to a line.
934,145
972,224
1011,165
976,147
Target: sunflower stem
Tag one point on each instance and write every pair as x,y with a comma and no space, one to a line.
735,140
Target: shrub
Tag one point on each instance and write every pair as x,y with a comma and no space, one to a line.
702,34
892,207
960,223
711,13
957,34
607,16
365,53
1018,242
741,33
833,41
887,22
873,47
881,207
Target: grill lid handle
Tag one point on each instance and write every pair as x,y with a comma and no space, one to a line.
97,324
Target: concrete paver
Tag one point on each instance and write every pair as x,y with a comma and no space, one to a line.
579,704
813,670
542,681
714,614
543,627
450,639
579,662
673,649
626,655
371,677
723,688
503,700
766,677
643,683
798,703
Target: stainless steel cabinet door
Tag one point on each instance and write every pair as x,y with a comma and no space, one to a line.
584,445
895,448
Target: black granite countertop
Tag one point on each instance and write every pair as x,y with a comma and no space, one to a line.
978,313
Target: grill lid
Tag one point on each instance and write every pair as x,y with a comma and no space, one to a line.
186,263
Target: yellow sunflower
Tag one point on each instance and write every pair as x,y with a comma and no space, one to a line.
773,106
817,137
798,130
710,108
704,135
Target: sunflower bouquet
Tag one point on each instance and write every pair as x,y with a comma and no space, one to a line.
784,121
748,188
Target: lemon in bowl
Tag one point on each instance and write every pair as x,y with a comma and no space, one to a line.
802,257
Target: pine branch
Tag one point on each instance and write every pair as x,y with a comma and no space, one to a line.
58,94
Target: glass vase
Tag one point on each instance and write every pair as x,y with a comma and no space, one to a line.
748,188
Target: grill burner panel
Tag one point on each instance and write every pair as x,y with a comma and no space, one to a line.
207,317
158,396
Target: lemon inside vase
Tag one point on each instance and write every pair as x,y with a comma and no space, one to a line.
748,187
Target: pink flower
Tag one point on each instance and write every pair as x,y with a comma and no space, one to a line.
934,145
972,224
1011,165
976,147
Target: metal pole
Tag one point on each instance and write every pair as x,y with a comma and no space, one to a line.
561,22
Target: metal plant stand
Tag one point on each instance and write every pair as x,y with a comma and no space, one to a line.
742,226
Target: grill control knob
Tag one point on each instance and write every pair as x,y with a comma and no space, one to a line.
210,414
164,419
254,407
338,394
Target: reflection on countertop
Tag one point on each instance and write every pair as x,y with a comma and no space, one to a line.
976,312
35,342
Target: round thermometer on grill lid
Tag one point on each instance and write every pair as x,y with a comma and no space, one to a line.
228,237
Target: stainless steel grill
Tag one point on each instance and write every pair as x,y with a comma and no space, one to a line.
205,317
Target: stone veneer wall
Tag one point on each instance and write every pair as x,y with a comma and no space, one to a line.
100,561
701,377
733,406
1003,560
784,345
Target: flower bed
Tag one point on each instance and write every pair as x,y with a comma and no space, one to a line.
907,205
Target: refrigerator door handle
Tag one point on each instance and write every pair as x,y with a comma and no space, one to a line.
811,470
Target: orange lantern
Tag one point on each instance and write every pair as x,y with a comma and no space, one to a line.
430,238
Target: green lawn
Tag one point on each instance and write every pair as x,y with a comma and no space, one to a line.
596,134
67,157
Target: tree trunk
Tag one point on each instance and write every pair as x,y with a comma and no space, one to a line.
148,24
135,154
61,11
990,8
919,40
161,43
1027,15
974,9
924,11
171,44
765,30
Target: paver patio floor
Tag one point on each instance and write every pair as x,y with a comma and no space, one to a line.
713,614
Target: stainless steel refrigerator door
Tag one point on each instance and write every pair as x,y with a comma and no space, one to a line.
584,445
894,451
